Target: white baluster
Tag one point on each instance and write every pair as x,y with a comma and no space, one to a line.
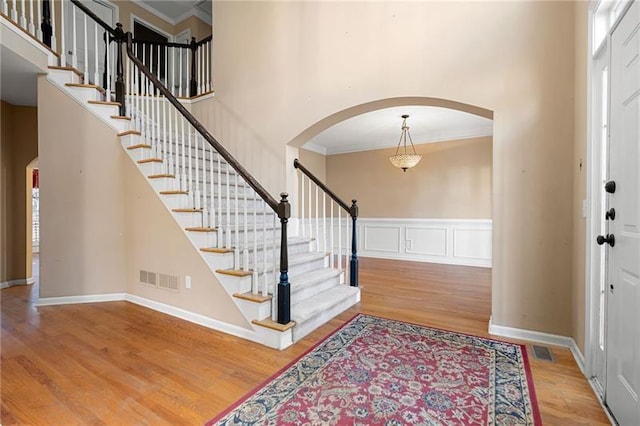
173,71
166,66
4,6
96,70
208,64
340,240
220,206
228,221
14,12
347,276
23,15
38,17
331,251
86,49
309,211
236,250
276,267
183,168
32,27
190,185
54,26
302,227
196,192
317,223
74,50
254,283
180,53
324,222
107,66
212,209
165,136
265,284
245,254
171,166
201,68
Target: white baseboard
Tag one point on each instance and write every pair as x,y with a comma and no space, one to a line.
193,317
11,283
88,298
540,337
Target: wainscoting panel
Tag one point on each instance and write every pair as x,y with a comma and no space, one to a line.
449,241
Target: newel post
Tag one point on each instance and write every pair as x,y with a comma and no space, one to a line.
353,265
120,38
193,83
284,289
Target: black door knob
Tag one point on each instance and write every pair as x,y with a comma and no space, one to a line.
609,239
611,214
610,186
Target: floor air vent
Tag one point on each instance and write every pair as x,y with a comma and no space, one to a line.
542,352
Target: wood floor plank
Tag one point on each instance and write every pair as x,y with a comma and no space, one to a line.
119,363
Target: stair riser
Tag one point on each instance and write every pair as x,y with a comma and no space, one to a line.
234,284
227,260
254,309
152,168
84,94
219,260
305,293
304,328
139,153
63,77
297,270
105,110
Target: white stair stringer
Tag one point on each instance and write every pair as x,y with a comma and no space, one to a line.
316,292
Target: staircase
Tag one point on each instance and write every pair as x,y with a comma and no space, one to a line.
285,286
229,224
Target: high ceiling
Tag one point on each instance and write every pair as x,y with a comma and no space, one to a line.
176,11
381,129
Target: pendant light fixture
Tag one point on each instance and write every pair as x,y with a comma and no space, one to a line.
405,160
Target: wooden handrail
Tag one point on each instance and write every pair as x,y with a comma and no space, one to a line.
353,212
201,129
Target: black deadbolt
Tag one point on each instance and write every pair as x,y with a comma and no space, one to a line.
611,214
609,239
610,186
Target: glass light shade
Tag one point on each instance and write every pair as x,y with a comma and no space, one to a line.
405,161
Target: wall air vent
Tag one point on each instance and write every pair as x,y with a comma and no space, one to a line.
168,282
150,278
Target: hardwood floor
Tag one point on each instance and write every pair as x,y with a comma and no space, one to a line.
118,363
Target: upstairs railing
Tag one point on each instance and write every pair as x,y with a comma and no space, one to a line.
90,45
325,223
183,68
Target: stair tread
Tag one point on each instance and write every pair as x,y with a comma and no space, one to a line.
269,323
216,250
200,229
109,103
308,308
86,86
139,145
258,298
269,244
162,175
129,132
234,272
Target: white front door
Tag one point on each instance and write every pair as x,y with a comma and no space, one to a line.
623,312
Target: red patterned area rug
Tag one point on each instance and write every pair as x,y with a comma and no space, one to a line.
376,371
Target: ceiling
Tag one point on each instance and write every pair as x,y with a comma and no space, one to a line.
381,129
18,79
176,11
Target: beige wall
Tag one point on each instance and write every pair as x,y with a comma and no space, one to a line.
82,221
579,172
452,181
314,162
19,146
101,222
282,66
156,243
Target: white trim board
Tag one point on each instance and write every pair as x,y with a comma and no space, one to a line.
11,283
234,330
540,337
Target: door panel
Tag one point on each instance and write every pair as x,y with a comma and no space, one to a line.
623,331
